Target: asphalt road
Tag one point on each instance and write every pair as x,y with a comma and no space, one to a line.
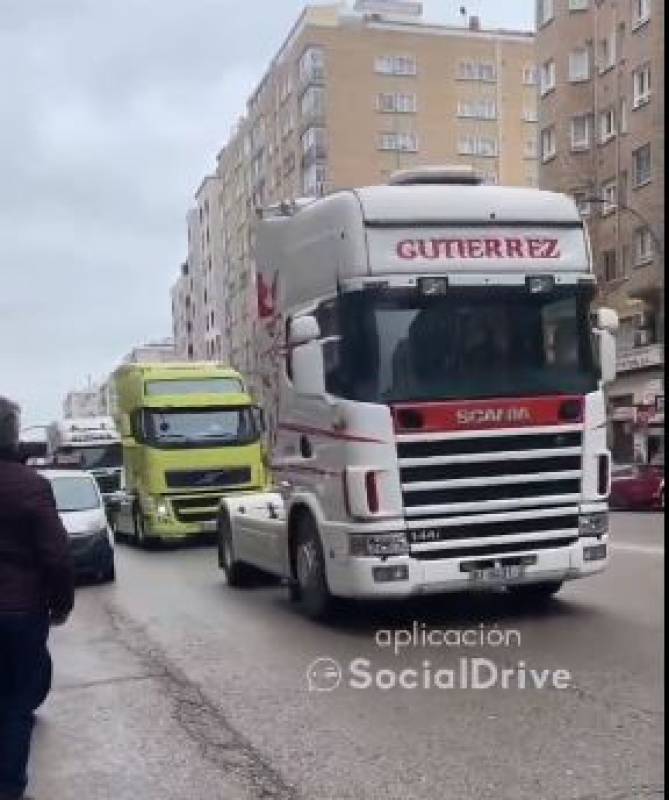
169,685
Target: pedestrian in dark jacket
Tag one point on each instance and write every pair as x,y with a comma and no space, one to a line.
36,591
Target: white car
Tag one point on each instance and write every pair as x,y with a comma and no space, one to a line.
82,512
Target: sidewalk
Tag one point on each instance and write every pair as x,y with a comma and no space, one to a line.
119,725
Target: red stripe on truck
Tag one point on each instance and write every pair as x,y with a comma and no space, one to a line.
522,412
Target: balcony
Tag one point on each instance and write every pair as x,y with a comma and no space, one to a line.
311,75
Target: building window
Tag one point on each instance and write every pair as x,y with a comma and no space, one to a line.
389,102
477,71
401,142
606,53
312,102
477,109
548,144
547,77
643,247
530,75
579,65
312,64
640,13
607,125
478,146
642,165
395,65
609,266
545,12
609,194
579,5
580,132
641,86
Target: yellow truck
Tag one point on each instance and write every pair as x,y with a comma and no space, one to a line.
191,435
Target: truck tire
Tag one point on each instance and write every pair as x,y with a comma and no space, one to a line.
310,587
140,539
237,574
535,591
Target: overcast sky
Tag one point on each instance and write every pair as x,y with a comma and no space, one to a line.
110,115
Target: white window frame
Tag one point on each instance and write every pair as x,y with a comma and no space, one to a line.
396,103
635,172
484,108
398,142
400,65
644,246
641,86
550,135
583,143
579,71
530,77
579,5
640,13
607,125
609,194
547,77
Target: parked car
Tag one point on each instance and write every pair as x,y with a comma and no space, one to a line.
82,511
637,486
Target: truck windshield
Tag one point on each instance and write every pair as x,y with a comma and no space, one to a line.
203,427
476,342
95,457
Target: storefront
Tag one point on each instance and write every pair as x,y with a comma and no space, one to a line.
636,407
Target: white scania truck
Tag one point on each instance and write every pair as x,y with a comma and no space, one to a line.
433,380
92,444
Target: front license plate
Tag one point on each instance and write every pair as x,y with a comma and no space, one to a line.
500,574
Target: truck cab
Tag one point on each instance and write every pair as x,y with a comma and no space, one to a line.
92,444
437,411
191,436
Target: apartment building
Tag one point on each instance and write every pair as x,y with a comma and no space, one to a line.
601,138
351,96
82,402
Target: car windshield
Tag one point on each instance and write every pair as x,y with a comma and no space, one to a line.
389,346
75,493
99,457
207,427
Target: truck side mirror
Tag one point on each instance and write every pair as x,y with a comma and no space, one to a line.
259,419
303,330
607,320
607,355
308,372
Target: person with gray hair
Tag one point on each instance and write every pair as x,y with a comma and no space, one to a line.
36,591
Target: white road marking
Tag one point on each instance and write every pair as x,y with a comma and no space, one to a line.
639,548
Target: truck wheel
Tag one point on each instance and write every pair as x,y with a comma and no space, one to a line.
140,538
535,591
236,572
311,588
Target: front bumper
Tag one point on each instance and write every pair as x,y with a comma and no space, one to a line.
353,577
92,555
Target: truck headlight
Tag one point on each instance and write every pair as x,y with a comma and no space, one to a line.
159,507
379,544
596,524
